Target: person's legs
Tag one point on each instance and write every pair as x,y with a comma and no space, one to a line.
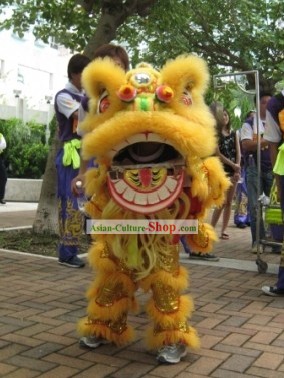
252,183
266,181
216,215
228,207
110,297
3,179
169,311
69,217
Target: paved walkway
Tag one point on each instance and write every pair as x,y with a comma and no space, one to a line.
241,330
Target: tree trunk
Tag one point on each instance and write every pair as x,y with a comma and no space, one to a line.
112,17
46,219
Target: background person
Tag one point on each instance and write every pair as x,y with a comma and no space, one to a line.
229,152
249,142
241,215
67,102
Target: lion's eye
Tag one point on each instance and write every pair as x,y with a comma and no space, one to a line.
104,104
186,98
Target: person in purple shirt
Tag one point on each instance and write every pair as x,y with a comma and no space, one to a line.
274,134
67,102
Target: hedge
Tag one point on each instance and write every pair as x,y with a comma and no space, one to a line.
26,152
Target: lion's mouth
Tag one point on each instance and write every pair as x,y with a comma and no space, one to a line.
146,175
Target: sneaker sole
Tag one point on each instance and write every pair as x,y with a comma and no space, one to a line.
267,292
203,258
70,265
84,343
163,359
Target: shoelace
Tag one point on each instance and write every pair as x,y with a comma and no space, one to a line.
171,347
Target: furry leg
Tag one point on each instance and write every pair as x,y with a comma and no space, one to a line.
169,310
110,298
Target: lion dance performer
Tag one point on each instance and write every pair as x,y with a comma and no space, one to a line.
153,138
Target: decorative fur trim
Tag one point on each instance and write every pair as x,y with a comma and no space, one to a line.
86,329
155,341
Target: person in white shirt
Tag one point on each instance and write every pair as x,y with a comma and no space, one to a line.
249,143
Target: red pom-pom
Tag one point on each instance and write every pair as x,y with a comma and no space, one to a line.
127,93
164,93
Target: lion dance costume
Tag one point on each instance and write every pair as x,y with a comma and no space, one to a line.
153,143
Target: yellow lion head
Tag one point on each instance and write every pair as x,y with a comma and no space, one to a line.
153,141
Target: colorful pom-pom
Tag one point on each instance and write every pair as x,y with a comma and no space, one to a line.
127,93
164,93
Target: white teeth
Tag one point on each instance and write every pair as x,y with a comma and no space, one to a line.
136,138
171,184
117,148
151,137
141,137
141,199
120,186
153,198
163,193
129,194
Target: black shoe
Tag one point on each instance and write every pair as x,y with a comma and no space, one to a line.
74,262
276,249
241,225
3,202
203,256
273,291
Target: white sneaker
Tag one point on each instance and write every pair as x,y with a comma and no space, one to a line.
92,341
254,248
171,353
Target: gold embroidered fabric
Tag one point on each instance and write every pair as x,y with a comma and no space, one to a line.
70,223
165,297
180,326
111,293
169,261
116,326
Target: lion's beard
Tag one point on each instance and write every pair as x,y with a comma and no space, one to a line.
143,253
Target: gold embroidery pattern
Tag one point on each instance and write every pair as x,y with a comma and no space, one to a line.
70,223
165,297
110,294
116,326
180,326
170,261
201,238
74,221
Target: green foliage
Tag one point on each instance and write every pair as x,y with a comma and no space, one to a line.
235,35
232,36
237,102
26,153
